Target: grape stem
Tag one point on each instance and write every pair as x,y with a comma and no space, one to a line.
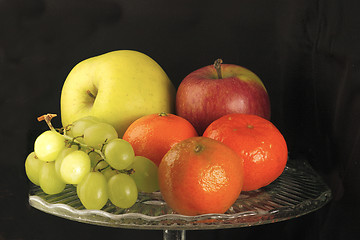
73,140
47,118
125,171
102,169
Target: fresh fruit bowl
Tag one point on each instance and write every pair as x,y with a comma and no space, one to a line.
298,191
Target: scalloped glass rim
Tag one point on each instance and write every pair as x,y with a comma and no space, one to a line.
298,191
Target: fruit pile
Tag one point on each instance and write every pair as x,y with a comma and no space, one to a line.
120,136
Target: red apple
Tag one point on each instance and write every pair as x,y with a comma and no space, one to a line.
219,89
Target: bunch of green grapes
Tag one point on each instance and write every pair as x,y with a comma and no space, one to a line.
90,155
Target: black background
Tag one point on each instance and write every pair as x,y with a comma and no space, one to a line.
307,52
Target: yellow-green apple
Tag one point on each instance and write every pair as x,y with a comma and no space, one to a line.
213,91
117,87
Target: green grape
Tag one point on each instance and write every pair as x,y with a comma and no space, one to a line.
74,167
119,153
33,166
122,189
145,175
109,172
92,191
97,134
78,127
48,145
60,157
49,181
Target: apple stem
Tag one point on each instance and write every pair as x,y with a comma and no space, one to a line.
90,94
217,66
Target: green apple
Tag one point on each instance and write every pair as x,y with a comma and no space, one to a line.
117,87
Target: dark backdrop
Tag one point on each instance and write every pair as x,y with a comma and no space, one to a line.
307,53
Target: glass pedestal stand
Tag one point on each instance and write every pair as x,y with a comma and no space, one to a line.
298,191
174,235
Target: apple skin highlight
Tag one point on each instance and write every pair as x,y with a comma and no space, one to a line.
202,97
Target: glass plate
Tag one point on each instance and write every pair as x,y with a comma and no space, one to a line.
298,191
